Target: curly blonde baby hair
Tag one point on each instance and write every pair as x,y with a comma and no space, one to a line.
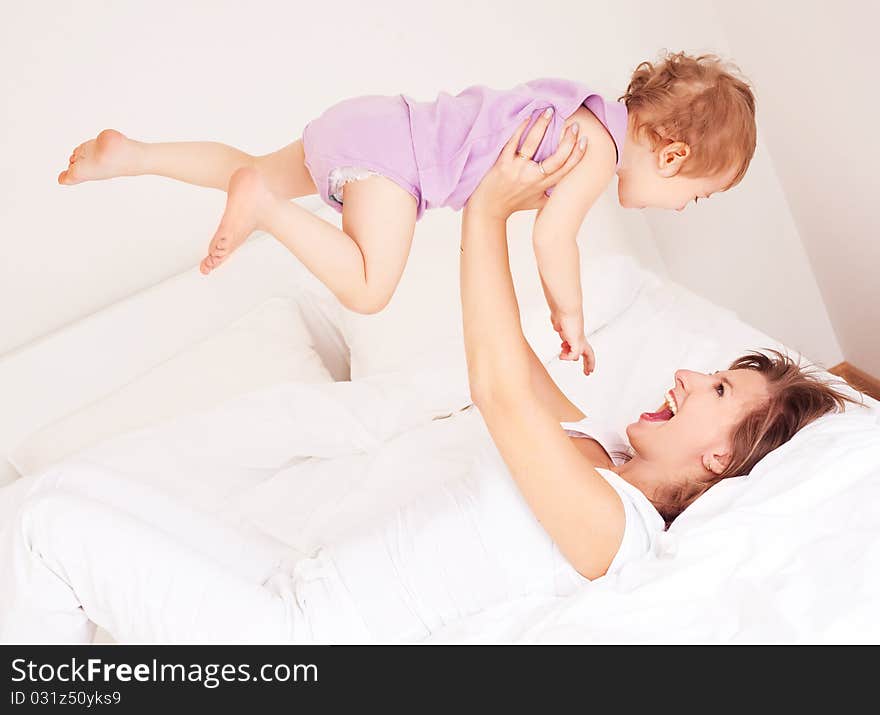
702,101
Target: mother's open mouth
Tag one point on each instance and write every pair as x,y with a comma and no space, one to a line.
666,412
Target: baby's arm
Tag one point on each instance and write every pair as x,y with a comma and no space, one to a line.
554,237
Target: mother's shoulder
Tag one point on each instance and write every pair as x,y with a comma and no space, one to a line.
593,451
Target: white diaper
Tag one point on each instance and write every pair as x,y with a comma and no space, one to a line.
342,175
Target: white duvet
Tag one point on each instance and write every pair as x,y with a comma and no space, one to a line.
790,553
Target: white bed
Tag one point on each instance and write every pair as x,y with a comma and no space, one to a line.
791,553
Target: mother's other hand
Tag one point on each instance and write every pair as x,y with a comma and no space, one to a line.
516,182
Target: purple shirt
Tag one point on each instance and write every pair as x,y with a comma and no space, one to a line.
458,138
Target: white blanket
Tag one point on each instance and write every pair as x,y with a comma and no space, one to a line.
788,554
300,462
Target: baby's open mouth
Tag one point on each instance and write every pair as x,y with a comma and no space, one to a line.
666,412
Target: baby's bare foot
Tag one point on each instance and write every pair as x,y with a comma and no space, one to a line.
109,154
246,197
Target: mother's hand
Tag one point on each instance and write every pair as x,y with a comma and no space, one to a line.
516,182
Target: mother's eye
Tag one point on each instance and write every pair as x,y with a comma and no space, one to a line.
719,388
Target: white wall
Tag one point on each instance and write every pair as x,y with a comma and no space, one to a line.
819,103
248,74
252,74
741,249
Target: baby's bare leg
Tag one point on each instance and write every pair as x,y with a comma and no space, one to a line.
209,164
361,264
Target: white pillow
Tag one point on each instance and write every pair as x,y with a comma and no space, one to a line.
268,345
8,473
820,450
425,313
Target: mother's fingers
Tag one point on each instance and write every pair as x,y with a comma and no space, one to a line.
509,150
536,134
576,154
563,151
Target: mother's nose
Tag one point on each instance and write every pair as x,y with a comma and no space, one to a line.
686,377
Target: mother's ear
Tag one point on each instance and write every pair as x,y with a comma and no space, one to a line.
671,158
716,461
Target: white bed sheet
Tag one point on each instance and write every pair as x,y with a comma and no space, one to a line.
366,447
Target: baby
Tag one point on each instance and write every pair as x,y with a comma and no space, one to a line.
683,130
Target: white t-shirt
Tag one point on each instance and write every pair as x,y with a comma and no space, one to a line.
643,521
472,543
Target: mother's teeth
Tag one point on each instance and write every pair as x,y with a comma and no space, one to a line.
670,400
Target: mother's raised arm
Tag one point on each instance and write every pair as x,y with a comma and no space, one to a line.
579,510
491,314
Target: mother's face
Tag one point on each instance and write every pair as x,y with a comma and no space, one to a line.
692,431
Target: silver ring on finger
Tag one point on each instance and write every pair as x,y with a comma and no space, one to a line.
541,167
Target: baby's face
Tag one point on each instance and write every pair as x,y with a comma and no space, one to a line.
647,180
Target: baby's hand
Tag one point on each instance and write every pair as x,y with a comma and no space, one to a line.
574,342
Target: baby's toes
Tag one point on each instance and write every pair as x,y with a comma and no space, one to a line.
68,176
221,247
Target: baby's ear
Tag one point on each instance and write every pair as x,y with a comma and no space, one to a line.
671,158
